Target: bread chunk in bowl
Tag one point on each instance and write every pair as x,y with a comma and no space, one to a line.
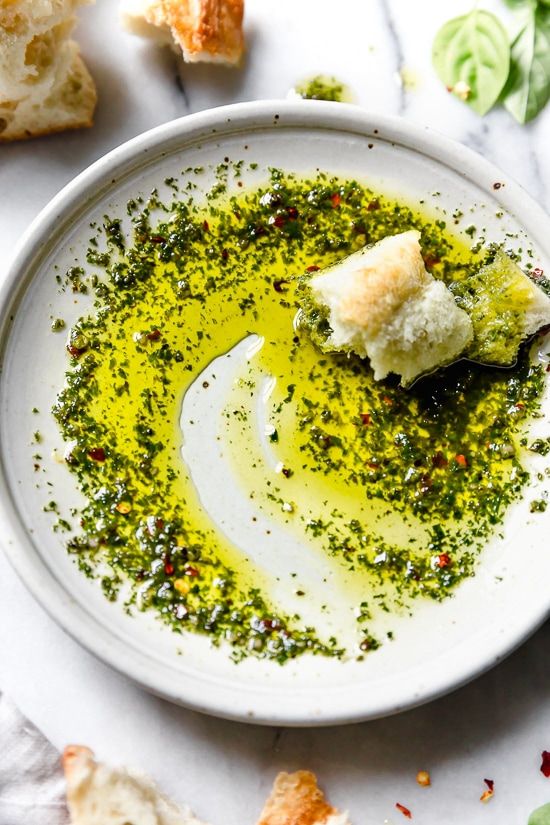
382,304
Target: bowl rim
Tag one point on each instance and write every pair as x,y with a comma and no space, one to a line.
20,548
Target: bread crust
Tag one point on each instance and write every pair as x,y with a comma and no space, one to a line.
204,30
45,86
296,799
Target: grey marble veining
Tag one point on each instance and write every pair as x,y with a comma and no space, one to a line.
495,727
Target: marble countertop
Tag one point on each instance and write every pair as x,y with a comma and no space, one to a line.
497,726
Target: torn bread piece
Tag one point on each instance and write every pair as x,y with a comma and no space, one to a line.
505,307
205,30
382,304
100,795
44,85
296,799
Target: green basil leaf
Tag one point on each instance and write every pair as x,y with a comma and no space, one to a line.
541,816
528,87
515,4
473,51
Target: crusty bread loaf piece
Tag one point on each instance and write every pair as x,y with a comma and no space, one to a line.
44,85
296,799
383,304
99,795
205,30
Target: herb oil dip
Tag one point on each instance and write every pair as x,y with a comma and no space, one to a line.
394,492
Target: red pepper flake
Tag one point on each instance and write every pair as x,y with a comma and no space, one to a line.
461,460
206,226
225,254
373,465
292,213
439,460
335,200
425,483
537,272
154,335
168,567
490,784
366,419
279,221
96,454
313,268
520,405
157,239
431,260
443,560
404,811
270,625
279,285
74,351
191,571
545,766
373,205
387,400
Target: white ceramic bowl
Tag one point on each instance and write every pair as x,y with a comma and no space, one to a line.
442,645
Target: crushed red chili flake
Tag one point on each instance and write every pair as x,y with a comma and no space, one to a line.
168,567
74,351
443,560
461,460
191,571
373,205
425,483
270,624
279,285
373,465
335,200
405,811
279,221
225,254
205,226
490,784
313,268
366,419
292,213
439,460
387,400
431,260
96,454
545,766
157,239
154,335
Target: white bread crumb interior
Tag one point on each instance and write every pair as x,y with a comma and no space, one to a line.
44,85
100,795
384,305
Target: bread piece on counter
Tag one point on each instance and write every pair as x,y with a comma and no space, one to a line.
100,795
296,799
44,85
382,304
205,30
